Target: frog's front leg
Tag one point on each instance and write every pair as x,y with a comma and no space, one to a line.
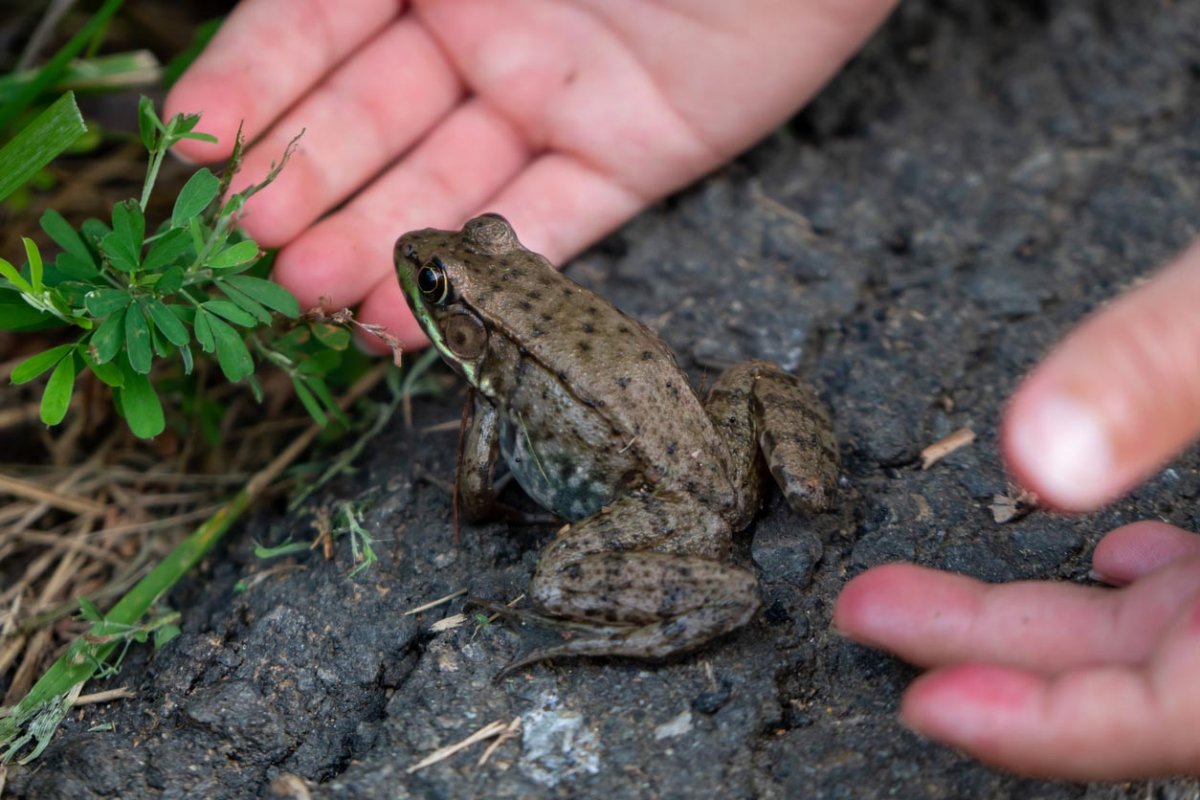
642,579
478,452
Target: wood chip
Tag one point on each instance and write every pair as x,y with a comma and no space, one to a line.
448,623
442,753
944,447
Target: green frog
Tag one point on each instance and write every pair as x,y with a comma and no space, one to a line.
598,424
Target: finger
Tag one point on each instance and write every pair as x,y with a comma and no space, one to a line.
265,57
932,618
558,206
348,257
359,120
1133,551
1093,723
1115,399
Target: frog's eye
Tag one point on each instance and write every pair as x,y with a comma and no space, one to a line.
432,282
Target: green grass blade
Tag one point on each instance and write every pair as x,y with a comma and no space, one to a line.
99,73
53,69
53,131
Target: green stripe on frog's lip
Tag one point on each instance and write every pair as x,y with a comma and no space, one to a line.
408,285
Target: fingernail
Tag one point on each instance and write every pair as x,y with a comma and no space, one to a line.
1065,453
1101,577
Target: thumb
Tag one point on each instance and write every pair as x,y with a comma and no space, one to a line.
1115,399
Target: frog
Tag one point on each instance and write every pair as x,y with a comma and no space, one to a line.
598,424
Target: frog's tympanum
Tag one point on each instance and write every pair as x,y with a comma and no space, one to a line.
598,424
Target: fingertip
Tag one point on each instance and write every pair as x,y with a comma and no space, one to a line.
911,611
217,100
1135,550
385,306
331,265
857,604
1057,447
1115,399
974,707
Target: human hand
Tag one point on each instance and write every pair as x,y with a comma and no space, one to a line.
566,117
1051,679
1060,680
1117,398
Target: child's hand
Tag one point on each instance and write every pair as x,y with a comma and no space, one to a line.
566,117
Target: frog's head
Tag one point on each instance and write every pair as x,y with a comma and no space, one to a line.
438,271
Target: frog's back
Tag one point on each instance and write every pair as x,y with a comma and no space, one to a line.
613,365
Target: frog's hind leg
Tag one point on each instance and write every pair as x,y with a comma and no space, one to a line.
642,580
759,408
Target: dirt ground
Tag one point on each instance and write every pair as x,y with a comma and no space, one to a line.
981,177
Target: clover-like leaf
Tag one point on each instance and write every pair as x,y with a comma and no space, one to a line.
103,301
106,340
170,281
149,125
108,373
195,196
140,404
309,402
137,340
235,255
124,244
63,235
269,293
36,365
166,248
56,398
232,355
204,332
231,312
170,326
246,303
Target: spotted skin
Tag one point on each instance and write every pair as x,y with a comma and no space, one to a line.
598,424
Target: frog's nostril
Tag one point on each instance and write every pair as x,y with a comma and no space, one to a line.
409,250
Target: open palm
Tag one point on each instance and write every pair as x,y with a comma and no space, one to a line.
566,116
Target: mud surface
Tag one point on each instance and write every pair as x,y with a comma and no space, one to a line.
982,176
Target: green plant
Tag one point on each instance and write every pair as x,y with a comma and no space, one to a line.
139,296
361,541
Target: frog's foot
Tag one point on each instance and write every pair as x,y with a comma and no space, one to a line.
637,604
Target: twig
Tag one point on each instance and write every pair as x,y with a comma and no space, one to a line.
508,733
12,417
64,502
435,603
105,697
442,753
945,446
